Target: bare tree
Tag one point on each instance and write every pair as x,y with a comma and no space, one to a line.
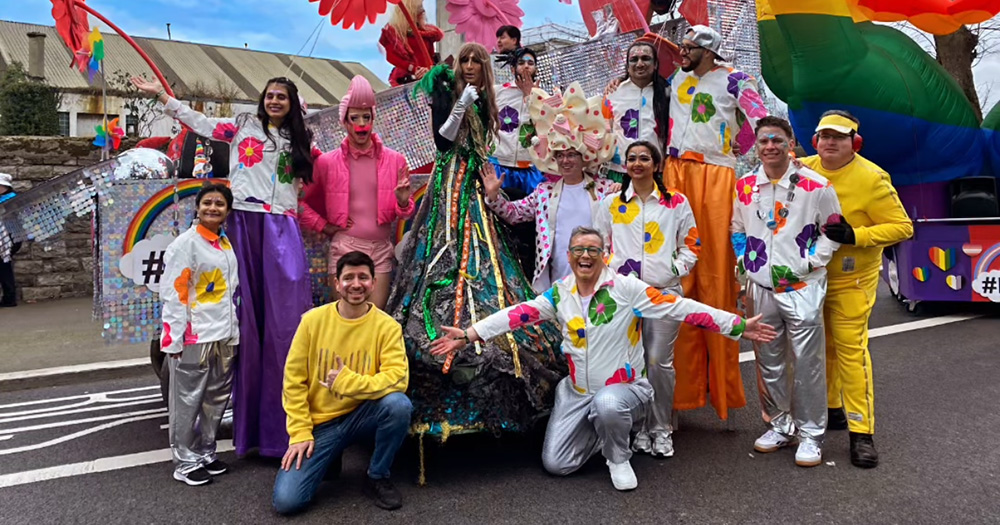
960,52
136,103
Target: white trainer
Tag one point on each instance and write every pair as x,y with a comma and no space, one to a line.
663,446
771,441
809,453
622,475
642,443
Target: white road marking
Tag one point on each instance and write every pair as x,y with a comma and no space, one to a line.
897,329
163,455
78,396
70,437
74,369
3,420
94,401
73,422
97,465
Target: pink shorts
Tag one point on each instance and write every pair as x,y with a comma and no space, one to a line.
382,252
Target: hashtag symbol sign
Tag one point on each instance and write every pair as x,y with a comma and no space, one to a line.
153,267
989,285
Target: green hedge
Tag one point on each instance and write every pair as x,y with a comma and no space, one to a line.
27,107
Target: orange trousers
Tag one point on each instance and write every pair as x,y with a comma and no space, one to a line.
707,362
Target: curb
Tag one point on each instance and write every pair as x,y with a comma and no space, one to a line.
68,375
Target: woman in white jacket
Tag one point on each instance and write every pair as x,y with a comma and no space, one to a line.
200,334
652,235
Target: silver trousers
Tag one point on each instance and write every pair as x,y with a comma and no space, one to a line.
583,424
200,383
791,370
658,338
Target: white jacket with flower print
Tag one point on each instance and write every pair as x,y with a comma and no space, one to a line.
656,240
542,205
603,345
777,228
516,129
630,109
260,169
198,291
712,117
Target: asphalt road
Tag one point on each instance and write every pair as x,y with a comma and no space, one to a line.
937,433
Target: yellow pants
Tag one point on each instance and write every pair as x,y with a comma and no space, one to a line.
849,304
707,362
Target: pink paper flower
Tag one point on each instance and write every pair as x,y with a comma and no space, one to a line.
522,315
478,20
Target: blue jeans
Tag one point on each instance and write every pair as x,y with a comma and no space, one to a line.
386,419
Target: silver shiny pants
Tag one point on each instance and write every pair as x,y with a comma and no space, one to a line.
200,383
658,338
791,370
583,424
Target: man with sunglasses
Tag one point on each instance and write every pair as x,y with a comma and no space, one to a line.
606,394
873,218
713,111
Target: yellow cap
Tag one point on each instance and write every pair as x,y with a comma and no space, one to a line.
837,123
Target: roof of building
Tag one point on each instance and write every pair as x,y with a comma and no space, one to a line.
194,70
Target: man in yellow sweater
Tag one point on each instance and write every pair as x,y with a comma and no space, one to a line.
873,218
345,379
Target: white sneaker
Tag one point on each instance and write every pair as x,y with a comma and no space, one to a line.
622,475
809,454
663,446
771,441
642,443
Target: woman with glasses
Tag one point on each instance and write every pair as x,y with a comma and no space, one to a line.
638,104
556,208
271,158
653,236
455,267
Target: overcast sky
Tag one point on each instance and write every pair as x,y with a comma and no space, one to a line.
285,25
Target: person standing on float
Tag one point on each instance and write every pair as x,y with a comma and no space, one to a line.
713,111
271,157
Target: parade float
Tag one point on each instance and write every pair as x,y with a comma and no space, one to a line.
825,55
916,122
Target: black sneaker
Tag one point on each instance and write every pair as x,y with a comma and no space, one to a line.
384,493
836,419
216,467
333,471
863,453
198,476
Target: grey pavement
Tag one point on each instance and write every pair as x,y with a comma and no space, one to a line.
936,432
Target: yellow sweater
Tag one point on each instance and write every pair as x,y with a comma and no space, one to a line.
375,365
872,207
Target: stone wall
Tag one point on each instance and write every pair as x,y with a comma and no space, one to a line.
61,266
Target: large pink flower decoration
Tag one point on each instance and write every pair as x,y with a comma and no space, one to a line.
479,20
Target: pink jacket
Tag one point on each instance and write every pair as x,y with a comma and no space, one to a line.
326,200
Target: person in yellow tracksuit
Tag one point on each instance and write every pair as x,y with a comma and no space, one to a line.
872,218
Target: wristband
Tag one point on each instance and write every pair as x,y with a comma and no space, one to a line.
160,94
465,335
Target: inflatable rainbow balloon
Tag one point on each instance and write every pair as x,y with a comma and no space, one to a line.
818,55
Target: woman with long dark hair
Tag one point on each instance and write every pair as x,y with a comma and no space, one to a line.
652,234
457,268
270,159
638,104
